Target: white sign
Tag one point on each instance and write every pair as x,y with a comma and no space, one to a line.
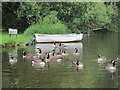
13,31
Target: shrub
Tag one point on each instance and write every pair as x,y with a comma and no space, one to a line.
49,25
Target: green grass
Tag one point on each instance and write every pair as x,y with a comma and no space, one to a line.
21,38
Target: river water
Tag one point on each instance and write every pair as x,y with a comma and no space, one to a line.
62,74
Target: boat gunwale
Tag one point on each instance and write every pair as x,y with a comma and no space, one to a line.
58,35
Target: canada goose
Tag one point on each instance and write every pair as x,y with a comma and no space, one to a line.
12,60
42,52
76,52
55,45
38,63
64,53
25,55
101,59
111,67
61,46
56,58
78,65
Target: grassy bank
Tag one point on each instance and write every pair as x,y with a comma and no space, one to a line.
21,38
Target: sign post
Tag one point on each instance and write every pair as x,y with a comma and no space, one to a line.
13,31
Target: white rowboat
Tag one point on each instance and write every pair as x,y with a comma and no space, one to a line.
58,37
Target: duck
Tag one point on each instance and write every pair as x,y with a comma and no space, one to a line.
25,55
101,59
111,67
76,52
12,60
38,63
64,53
78,65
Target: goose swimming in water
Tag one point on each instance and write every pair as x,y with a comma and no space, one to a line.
111,67
42,52
56,58
64,53
25,55
55,45
76,52
101,59
78,65
38,63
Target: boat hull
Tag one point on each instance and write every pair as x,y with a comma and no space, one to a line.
58,37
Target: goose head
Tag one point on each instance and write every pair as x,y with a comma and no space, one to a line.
24,53
113,62
40,51
54,43
60,44
12,57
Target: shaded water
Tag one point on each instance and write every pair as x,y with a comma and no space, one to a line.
62,75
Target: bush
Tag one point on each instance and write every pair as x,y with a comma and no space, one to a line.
49,25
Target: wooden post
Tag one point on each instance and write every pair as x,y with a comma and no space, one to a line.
10,35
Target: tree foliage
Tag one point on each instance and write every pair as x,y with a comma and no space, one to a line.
77,16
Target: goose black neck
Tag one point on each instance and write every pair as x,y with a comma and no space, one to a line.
98,56
60,44
76,50
40,51
113,63
77,62
48,56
